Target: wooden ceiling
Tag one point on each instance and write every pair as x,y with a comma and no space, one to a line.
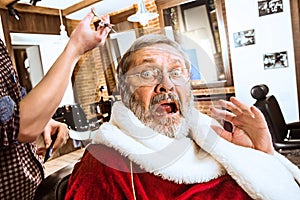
49,11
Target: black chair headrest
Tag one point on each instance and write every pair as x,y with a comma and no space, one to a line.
259,91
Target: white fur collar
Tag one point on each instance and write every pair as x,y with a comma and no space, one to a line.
261,175
178,160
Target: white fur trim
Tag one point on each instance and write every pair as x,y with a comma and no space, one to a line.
178,160
289,165
261,175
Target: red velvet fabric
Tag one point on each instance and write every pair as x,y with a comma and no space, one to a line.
104,174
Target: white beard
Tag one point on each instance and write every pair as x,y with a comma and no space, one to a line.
171,130
171,127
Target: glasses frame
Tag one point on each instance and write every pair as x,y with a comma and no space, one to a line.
158,80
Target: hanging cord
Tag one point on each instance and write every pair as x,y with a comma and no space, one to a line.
132,183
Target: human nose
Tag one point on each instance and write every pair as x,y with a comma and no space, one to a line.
165,85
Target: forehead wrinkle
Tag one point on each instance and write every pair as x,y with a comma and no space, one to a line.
160,55
171,58
148,60
177,61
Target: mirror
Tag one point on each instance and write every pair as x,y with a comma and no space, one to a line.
34,55
199,21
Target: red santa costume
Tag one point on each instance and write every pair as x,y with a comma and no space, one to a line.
128,160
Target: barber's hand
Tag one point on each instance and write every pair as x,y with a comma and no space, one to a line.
54,128
250,128
84,38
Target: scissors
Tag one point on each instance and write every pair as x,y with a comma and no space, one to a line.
101,23
50,148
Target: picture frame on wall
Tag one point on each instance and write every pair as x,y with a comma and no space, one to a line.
244,38
267,7
275,60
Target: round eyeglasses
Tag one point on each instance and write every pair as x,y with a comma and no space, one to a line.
149,76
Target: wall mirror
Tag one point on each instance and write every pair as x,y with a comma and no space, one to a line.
202,22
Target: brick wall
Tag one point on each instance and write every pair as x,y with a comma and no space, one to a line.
151,7
205,98
88,76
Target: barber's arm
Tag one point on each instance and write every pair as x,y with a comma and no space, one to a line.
249,125
39,105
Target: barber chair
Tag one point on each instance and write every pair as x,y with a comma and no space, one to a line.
80,127
54,186
102,110
285,136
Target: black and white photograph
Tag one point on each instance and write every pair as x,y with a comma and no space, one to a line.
267,7
275,60
244,38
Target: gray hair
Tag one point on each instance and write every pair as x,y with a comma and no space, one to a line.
145,41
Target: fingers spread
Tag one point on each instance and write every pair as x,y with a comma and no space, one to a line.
257,113
242,107
222,132
223,114
230,106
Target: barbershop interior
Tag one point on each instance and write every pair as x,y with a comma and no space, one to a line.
246,49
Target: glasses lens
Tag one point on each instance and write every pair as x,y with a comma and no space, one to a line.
144,76
179,76
149,76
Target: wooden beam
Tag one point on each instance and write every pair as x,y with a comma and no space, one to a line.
28,8
35,9
21,7
3,3
294,6
5,25
47,24
118,17
79,6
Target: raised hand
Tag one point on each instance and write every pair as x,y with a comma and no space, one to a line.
84,38
250,128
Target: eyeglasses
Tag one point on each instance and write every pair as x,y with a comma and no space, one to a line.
149,76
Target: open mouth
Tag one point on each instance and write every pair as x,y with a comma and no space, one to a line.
166,108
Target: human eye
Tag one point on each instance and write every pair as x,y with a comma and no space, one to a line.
176,73
147,74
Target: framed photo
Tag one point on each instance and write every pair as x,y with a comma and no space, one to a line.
267,7
244,38
275,60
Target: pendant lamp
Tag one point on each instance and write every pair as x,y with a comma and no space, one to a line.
63,32
142,15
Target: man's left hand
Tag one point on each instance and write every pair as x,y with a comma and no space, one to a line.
250,128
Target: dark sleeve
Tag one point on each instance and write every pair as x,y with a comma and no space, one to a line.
9,121
10,96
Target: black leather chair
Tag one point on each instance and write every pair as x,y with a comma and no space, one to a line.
284,135
54,186
81,129
74,117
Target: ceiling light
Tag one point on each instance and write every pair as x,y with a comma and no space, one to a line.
142,15
13,12
63,32
33,2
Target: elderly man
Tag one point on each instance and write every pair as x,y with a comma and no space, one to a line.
158,146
